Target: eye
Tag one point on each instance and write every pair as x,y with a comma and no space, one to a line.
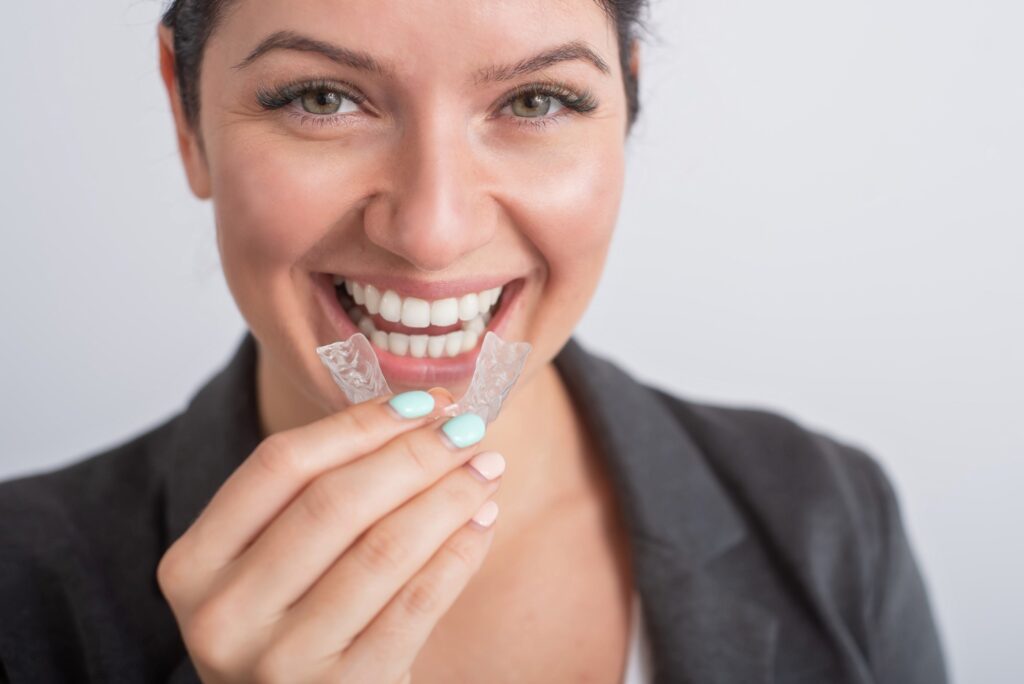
319,102
324,101
532,105
537,104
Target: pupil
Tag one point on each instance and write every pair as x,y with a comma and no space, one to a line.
323,101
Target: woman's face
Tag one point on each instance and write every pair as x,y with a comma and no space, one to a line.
421,177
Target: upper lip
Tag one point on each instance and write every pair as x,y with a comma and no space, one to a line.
441,289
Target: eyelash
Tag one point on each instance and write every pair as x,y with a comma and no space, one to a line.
279,97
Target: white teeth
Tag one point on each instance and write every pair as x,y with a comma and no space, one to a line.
372,299
435,346
398,343
415,312
418,345
475,325
473,310
453,343
444,312
391,306
469,306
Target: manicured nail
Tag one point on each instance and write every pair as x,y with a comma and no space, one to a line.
446,396
490,464
464,430
414,404
487,514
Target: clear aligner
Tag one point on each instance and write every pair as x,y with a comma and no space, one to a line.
356,370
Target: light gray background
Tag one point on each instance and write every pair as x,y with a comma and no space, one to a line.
829,193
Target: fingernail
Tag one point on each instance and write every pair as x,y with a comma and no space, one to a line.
487,514
414,404
464,430
490,464
444,394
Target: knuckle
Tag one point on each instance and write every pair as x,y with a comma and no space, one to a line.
463,494
418,452
273,665
381,550
277,455
168,572
174,575
362,422
422,596
462,551
323,503
206,633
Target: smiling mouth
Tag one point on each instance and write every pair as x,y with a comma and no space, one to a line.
421,328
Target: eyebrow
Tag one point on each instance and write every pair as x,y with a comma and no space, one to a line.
290,40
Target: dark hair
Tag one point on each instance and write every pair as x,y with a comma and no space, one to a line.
194,21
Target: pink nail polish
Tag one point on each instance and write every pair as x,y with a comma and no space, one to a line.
490,464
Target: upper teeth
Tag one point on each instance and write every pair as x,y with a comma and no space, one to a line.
414,312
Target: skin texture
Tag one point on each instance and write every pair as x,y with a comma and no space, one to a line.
428,181
428,186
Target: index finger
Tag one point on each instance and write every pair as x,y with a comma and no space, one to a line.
283,463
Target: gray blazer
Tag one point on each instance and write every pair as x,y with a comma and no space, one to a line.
764,551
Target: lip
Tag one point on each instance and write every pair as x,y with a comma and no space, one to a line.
426,372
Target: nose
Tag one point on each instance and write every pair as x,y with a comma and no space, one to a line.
437,210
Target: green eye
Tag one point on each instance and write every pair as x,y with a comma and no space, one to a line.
537,104
322,101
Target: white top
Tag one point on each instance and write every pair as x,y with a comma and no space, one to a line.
638,660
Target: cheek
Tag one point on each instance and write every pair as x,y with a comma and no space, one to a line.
273,203
569,206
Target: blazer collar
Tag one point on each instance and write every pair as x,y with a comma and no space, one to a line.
678,514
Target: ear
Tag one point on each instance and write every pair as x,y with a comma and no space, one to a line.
189,142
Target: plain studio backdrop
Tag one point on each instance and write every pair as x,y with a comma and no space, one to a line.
828,197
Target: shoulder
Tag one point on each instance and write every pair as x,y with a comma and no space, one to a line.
96,488
826,511
779,465
78,550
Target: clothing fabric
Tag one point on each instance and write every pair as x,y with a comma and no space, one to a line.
763,551
638,659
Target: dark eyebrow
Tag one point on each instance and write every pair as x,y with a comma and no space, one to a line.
289,40
567,52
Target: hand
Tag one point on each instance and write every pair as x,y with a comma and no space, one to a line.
333,550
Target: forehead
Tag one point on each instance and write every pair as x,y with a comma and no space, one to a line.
422,37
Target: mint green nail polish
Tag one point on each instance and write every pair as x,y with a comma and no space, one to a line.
415,404
464,430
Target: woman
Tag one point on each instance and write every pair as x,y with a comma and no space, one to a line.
423,171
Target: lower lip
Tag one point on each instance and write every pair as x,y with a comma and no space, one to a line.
410,371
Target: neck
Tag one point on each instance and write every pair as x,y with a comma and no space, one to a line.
538,432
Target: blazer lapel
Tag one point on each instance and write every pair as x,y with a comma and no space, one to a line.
680,521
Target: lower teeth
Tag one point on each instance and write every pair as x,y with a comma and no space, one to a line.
420,346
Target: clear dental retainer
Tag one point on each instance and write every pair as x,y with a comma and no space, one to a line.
356,370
